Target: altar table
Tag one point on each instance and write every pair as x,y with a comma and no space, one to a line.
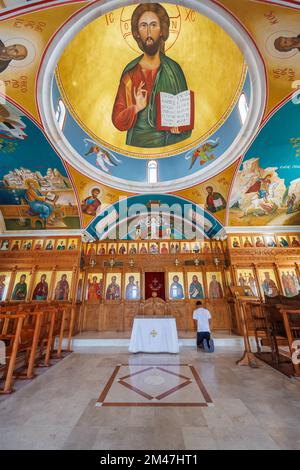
154,335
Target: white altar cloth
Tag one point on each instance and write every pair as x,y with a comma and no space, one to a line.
154,335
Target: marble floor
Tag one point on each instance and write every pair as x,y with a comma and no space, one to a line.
249,408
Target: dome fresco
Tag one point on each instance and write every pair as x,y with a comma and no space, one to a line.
86,110
177,166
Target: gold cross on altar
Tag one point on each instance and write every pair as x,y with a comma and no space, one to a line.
153,333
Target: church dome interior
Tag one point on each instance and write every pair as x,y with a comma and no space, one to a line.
150,174
68,106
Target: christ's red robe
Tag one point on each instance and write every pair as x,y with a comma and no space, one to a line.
124,114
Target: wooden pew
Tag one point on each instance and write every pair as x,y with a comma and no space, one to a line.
10,332
29,338
64,327
291,320
48,326
47,336
29,330
37,335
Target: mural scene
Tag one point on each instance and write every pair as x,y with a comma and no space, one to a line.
35,190
267,186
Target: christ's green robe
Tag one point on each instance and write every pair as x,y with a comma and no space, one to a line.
169,79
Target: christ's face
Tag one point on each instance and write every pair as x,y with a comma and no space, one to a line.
149,32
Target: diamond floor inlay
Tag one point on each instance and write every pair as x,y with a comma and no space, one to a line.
154,385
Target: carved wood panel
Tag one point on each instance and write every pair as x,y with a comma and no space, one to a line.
131,309
119,316
180,311
113,316
91,317
220,314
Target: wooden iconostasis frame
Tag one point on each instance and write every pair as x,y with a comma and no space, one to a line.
226,260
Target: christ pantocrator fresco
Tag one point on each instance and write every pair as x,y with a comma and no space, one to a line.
149,85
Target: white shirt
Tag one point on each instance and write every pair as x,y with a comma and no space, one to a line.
202,316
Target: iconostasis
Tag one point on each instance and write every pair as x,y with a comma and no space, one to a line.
130,285
266,265
37,285
39,269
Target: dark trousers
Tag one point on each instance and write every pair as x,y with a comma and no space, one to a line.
201,335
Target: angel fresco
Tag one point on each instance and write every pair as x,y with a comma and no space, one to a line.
104,159
204,153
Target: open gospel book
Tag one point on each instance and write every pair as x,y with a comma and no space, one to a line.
175,111
50,196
